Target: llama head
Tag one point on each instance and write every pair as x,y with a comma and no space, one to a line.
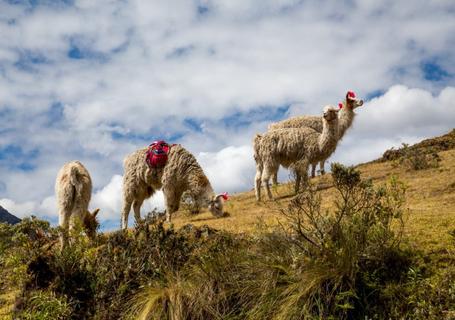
216,205
91,224
330,114
351,100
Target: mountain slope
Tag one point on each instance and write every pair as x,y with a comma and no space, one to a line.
430,197
7,217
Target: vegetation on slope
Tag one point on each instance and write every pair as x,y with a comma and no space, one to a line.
348,248
347,261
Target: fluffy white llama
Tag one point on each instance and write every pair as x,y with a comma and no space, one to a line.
181,173
345,116
73,189
294,148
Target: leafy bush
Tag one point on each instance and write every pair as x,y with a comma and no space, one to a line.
21,243
127,261
413,158
44,305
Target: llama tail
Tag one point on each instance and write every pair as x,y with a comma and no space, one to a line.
256,142
75,182
257,138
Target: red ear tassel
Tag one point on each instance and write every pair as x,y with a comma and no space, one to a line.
225,196
340,105
351,94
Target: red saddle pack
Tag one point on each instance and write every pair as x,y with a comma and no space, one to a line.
157,154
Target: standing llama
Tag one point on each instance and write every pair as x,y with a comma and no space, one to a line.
345,116
180,173
73,188
294,148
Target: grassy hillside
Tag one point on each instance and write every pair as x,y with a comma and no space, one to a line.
376,241
430,197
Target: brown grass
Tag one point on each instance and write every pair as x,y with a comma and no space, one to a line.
7,303
430,200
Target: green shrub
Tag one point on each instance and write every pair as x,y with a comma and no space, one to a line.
44,305
21,243
417,159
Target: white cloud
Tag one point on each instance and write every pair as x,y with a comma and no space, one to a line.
109,198
46,208
18,209
231,169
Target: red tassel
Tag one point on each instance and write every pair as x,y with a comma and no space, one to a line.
225,196
351,94
340,105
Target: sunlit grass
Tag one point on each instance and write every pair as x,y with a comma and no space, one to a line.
430,200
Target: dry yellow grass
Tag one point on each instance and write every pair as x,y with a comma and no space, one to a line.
430,200
6,304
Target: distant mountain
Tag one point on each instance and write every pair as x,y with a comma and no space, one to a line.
7,217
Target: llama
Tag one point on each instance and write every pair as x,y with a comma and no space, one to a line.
181,173
294,148
345,116
73,189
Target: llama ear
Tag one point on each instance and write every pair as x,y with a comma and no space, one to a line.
223,195
95,212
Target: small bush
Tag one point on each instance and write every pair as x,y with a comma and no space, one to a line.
21,243
356,245
413,158
44,305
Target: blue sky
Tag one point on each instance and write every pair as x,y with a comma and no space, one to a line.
95,80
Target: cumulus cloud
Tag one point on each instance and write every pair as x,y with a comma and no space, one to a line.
231,169
46,208
19,209
109,198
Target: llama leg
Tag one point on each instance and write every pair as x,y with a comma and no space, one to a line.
137,203
275,178
127,202
172,201
303,172
257,182
298,179
313,170
266,174
64,219
321,166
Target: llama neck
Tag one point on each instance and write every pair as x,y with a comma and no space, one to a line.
345,119
200,186
329,136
